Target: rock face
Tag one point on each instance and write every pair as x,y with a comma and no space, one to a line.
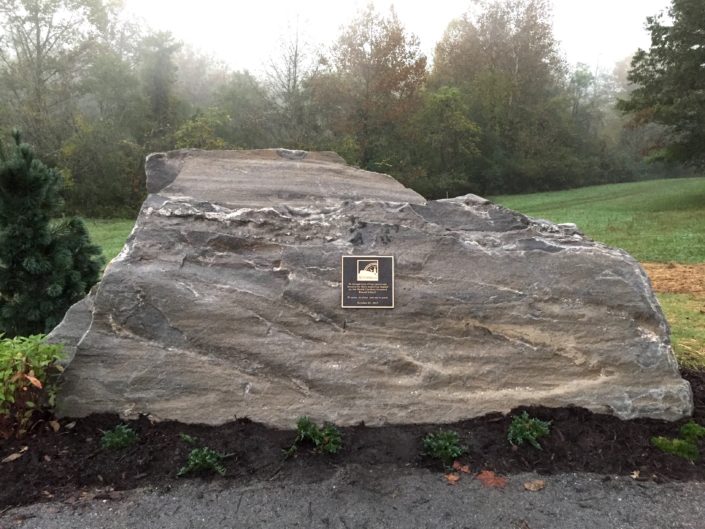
225,302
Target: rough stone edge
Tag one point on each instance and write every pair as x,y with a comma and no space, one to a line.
162,168
70,334
73,327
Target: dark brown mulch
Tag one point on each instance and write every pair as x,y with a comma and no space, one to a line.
62,464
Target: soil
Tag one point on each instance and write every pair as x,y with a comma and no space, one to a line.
676,278
62,464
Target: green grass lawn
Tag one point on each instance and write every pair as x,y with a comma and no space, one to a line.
109,234
657,220
686,315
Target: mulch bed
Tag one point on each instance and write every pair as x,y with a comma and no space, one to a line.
677,278
67,463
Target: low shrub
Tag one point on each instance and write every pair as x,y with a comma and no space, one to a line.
685,446
677,447
692,431
443,445
28,373
188,439
203,460
525,429
118,438
326,439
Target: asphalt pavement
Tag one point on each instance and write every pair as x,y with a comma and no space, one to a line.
355,497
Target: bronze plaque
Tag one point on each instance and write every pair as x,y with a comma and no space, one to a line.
367,282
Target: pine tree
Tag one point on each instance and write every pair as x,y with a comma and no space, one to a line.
670,83
46,264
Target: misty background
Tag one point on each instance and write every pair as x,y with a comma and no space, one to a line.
488,97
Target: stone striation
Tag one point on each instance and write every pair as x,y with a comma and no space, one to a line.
225,303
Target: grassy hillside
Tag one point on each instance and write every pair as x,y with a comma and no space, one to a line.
109,234
657,220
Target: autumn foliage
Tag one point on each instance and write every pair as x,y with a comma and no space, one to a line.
28,368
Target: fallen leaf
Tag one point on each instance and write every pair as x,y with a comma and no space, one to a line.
452,478
636,474
457,466
55,425
535,485
70,426
13,457
34,381
490,479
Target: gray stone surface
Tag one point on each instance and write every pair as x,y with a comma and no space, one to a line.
268,177
225,302
76,322
361,498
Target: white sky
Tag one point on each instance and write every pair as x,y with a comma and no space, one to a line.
245,33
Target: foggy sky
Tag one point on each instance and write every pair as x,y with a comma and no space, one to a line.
245,34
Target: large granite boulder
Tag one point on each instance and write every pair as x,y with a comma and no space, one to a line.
225,302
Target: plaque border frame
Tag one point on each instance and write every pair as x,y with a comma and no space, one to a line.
342,282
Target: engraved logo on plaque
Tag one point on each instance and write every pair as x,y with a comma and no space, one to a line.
367,270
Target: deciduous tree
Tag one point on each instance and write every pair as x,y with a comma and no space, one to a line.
288,82
380,71
44,47
158,73
244,99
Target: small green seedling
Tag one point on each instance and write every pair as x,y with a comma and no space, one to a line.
677,447
443,445
188,439
527,429
203,460
326,439
118,438
685,446
692,431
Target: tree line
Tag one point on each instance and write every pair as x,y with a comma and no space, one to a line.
496,110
